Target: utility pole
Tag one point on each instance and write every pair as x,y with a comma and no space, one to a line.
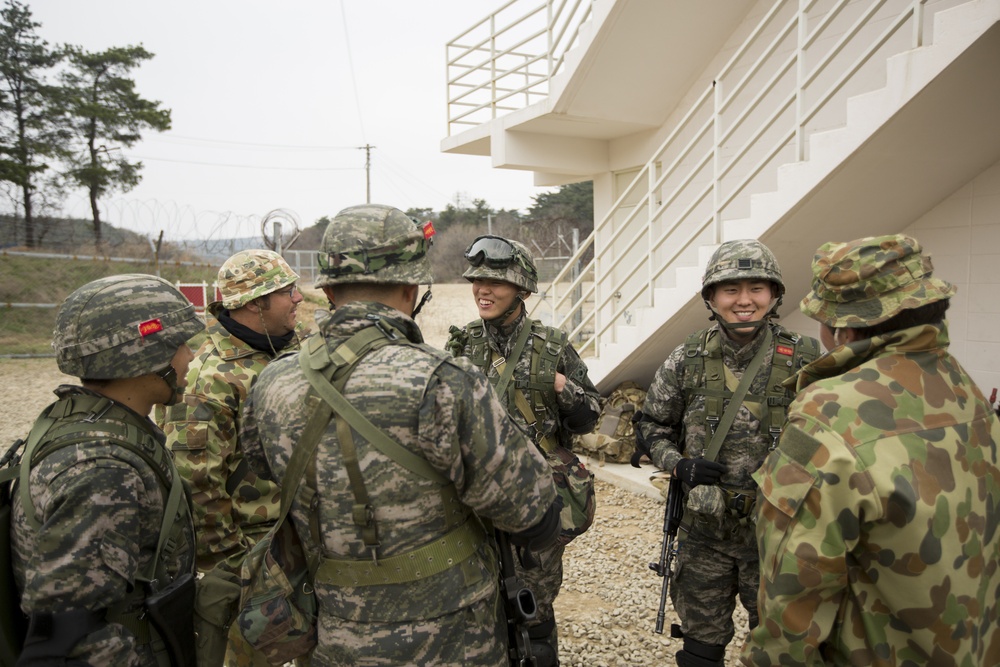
367,148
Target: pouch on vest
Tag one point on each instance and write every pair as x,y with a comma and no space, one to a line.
575,485
170,613
278,608
613,438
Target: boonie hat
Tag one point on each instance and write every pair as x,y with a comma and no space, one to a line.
867,281
250,274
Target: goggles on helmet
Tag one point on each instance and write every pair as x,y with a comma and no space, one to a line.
494,252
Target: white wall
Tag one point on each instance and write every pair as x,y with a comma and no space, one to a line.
962,233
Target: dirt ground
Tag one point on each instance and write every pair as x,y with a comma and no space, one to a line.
607,608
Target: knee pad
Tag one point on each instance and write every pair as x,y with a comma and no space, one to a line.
696,654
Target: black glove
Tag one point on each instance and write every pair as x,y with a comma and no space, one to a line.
695,472
544,533
641,446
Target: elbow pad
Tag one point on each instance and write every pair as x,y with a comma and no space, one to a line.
544,533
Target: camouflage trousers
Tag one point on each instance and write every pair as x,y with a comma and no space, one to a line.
709,574
545,580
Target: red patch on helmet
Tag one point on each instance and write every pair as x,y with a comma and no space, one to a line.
429,230
150,327
785,350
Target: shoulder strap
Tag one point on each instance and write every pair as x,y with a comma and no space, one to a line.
737,400
507,370
544,364
122,434
791,352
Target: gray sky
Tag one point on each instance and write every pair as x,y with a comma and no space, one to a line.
271,99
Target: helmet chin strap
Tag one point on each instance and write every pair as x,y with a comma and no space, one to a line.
423,300
757,325
502,317
169,375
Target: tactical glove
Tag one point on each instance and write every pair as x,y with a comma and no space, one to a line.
695,472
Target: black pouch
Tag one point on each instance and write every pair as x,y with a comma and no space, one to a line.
171,613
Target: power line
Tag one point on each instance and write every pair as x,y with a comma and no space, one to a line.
169,137
247,166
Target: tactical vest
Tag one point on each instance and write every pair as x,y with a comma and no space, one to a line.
547,344
82,418
703,359
457,548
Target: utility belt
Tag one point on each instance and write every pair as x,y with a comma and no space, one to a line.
739,502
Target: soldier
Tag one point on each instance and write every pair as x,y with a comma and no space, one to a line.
374,513
102,528
878,520
714,410
547,394
233,508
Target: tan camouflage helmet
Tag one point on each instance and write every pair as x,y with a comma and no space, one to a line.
250,274
743,259
374,243
497,258
122,326
867,281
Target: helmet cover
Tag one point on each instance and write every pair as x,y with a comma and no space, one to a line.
374,243
250,274
519,269
122,326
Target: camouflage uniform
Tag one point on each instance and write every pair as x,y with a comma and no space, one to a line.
233,507
439,408
718,560
574,410
100,505
879,508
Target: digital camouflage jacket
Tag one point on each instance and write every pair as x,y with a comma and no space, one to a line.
444,411
674,425
101,507
879,526
233,507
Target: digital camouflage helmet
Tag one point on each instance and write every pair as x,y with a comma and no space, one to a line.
250,274
122,326
868,281
742,259
373,243
497,258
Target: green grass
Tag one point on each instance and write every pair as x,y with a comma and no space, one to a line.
49,281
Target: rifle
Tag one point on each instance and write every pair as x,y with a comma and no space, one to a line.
518,605
672,514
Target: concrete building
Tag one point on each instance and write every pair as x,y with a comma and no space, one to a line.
700,121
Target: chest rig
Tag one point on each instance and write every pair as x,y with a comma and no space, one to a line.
706,374
533,396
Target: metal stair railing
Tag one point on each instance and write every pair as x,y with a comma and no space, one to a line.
785,82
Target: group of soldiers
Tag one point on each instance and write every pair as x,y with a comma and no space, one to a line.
849,500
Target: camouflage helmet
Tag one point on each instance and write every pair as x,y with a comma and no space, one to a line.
497,258
122,326
373,243
743,259
867,281
250,274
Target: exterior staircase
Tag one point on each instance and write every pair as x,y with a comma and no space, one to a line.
778,148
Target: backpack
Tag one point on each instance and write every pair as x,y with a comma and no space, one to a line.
613,438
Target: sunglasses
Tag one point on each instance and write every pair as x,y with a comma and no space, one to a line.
290,292
494,252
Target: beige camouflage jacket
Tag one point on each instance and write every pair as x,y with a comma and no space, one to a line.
879,513
233,507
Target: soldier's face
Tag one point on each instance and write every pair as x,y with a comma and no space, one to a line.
279,310
493,297
742,301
